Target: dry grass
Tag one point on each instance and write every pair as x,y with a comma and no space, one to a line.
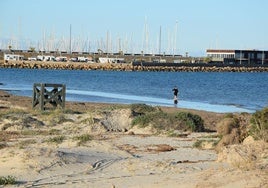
82,139
56,139
225,126
259,125
6,136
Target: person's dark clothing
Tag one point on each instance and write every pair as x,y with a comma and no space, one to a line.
175,91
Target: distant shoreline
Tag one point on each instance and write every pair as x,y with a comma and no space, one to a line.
26,102
136,66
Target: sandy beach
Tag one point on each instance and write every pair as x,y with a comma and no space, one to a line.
95,145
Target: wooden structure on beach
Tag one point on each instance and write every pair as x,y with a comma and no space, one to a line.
45,93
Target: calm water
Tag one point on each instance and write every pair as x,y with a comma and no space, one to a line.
218,92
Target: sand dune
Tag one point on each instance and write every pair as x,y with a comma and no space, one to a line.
46,150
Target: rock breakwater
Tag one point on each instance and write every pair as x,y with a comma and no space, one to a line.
130,67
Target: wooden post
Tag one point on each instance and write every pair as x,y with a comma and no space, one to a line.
63,95
42,97
34,96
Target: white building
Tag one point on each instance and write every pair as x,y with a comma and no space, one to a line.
111,60
13,57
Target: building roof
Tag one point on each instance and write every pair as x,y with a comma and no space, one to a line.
233,51
220,51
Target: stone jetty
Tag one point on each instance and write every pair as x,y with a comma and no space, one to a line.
168,67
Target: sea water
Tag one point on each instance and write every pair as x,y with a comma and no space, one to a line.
210,91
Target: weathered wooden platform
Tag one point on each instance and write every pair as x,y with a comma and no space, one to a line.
45,94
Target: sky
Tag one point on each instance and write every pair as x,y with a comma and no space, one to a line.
148,26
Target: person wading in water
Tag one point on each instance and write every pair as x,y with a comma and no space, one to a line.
175,92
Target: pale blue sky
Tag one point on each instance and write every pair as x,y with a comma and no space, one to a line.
201,24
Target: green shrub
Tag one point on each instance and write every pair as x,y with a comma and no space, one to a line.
198,143
9,180
160,120
164,121
259,125
83,138
156,119
192,122
142,121
56,139
201,143
141,109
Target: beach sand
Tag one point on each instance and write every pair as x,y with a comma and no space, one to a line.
93,145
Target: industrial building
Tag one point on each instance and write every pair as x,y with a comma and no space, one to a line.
242,57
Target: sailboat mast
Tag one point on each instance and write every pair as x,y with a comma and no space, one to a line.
70,42
160,40
175,39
